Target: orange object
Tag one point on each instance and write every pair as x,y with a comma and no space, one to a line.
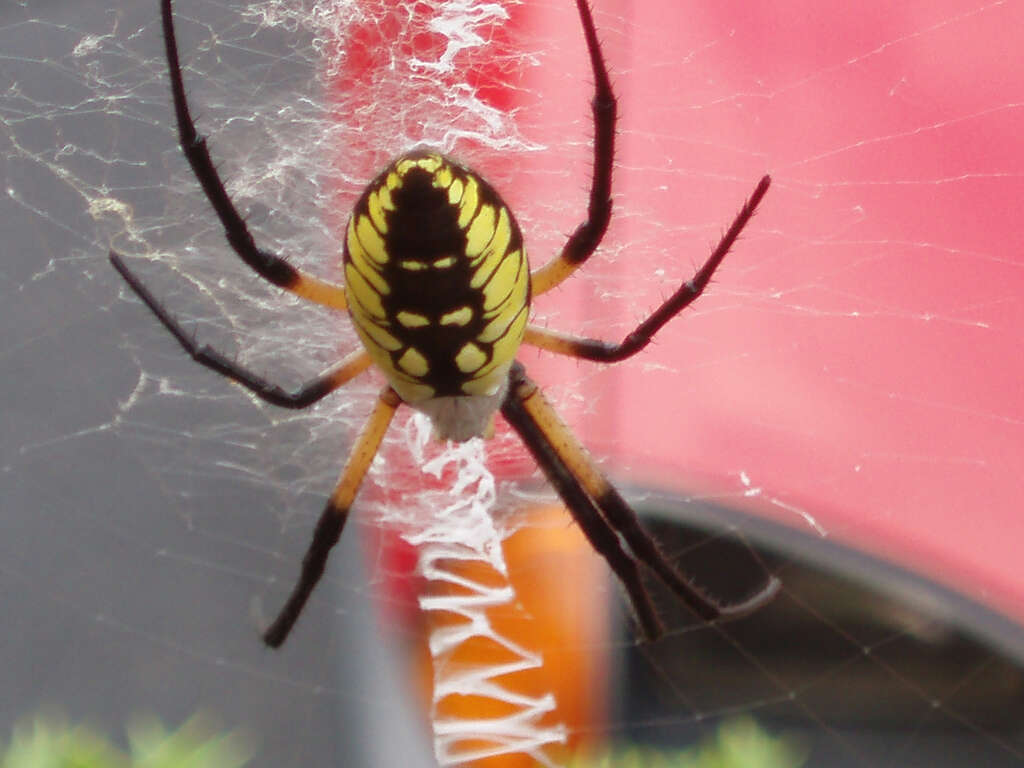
559,613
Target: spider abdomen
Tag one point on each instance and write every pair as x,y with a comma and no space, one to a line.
438,284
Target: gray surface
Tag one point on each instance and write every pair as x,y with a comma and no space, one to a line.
126,590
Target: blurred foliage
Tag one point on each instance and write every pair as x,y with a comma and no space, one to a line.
738,743
47,743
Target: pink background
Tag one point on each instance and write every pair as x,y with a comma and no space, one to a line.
858,358
854,370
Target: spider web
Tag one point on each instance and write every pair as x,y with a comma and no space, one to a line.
852,377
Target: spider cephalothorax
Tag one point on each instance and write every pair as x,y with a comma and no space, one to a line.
438,287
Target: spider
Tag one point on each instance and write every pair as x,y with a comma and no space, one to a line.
438,287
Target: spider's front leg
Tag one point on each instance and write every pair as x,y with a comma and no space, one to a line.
640,337
305,396
269,266
587,236
604,107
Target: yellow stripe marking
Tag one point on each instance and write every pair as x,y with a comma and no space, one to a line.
443,178
444,262
486,264
481,231
504,349
455,192
369,272
414,266
430,163
522,288
470,199
354,246
499,289
372,242
377,212
470,358
413,319
500,239
361,291
382,338
460,316
413,363
494,330
506,346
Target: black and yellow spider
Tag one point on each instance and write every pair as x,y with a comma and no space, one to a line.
438,286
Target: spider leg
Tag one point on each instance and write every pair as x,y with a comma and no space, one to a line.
640,337
538,439
535,419
268,265
624,520
587,236
305,396
585,239
332,520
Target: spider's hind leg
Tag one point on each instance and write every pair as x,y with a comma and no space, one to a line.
546,449
332,519
602,512
625,521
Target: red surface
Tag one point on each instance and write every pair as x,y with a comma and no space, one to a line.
857,359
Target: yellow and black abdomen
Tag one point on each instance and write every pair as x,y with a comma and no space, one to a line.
437,281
